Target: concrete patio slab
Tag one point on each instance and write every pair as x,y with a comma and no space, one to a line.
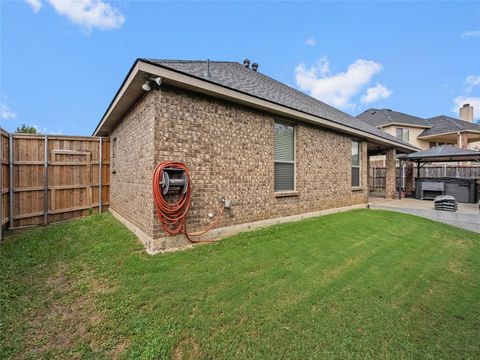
466,217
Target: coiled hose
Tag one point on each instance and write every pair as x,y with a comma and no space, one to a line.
173,216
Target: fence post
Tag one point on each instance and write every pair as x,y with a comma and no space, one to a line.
100,162
1,185
45,183
10,167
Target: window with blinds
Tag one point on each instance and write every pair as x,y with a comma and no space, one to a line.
284,156
355,163
403,134
114,154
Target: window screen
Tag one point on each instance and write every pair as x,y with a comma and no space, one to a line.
355,163
284,157
114,154
403,134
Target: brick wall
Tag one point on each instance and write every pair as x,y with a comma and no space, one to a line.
390,182
229,150
131,183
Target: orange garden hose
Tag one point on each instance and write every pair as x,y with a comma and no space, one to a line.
173,216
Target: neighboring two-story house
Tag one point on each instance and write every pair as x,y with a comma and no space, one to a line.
425,133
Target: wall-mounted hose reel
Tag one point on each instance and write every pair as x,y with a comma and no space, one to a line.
174,180
170,178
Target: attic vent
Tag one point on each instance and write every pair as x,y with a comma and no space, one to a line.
246,63
254,66
373,112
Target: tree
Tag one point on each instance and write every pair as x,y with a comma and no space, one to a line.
25,129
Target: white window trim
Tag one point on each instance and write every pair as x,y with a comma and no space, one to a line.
294,162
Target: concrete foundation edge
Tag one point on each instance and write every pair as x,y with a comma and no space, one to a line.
146,240
180,242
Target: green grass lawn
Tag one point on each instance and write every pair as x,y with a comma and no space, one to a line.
360,284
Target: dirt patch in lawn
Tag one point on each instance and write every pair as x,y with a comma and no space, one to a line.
187,349
119,348
337,271
70,318
456,268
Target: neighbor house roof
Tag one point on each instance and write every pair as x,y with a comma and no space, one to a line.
247,85
433,126
443,153
445,124
384,117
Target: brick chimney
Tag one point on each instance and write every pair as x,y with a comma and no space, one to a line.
466,113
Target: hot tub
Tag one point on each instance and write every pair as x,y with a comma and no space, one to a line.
464,190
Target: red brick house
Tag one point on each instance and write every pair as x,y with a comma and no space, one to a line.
275,152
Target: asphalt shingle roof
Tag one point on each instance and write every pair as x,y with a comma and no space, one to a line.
436,125
445,124
235,76
379,117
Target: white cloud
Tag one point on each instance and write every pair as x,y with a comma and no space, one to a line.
89,13
337,89
6,113
35,5
471,33
311,41
375,93
86,13
472,100
472,82
323,66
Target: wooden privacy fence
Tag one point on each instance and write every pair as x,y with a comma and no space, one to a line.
450,171
52,178
377,174
5,181
377,178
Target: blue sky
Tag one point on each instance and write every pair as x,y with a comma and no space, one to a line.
62,62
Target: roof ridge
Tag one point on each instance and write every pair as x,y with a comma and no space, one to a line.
455,123
400,112
330,108
387,114
190,61
255,73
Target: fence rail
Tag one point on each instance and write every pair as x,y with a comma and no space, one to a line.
5,179
450,171
377,178
377,174
52,178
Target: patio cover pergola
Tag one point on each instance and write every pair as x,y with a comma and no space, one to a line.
438,154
